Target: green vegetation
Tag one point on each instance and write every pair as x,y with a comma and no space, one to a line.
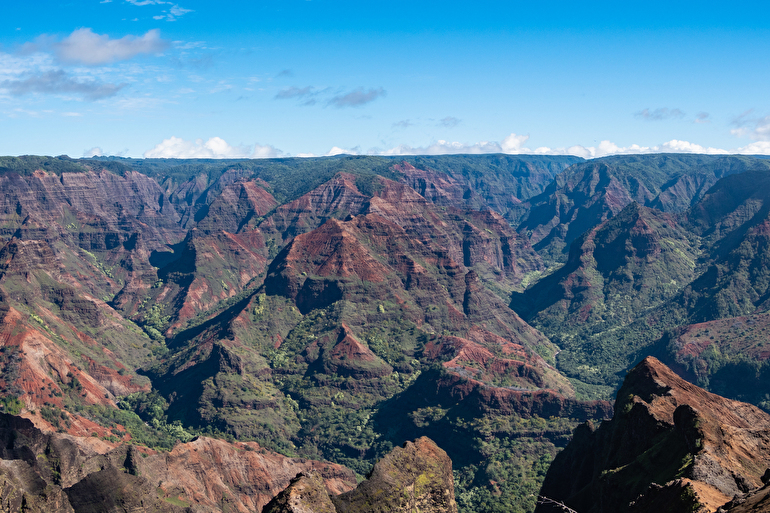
11,404
28,164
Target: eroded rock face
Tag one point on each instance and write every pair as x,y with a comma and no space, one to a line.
86,204
669,442
55,473
415,477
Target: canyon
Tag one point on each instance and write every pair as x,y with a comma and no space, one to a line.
201,333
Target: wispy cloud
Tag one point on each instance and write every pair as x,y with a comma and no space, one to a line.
702,117
59,82
285,73
307,94
172,14
449,122
190,45
356,98
83,46
749,125
287,93
659,114
214,148
404,123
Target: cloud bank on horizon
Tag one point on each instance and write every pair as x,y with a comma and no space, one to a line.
217,148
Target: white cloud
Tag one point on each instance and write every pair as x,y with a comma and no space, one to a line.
440,147
755,148
265,152
514,145
606,148
339,151
214,148
13,66
93,152
190,45
83,46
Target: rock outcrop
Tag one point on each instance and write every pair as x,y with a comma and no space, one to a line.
669,442
415,477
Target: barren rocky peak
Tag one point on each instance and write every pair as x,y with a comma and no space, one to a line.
668,439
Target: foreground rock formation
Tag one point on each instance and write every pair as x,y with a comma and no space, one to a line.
671,446
62,473
415,477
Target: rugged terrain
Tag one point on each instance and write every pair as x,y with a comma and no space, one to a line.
671,446
331,309
62,473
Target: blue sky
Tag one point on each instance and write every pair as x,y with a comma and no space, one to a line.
315,77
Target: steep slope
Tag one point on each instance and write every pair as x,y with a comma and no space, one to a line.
365,298
615,273
479,239
589,193
726,356
370,259
498,181
238,205
731,281
82,202
668,438
734,219
211,268
64,348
